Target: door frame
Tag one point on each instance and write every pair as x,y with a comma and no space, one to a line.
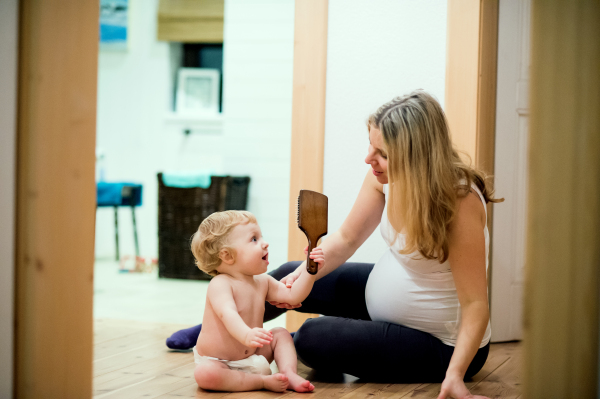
308,121
562,256
9,27
56,198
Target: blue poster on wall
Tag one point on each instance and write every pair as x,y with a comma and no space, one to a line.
113,24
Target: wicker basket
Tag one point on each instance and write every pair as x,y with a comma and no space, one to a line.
180,212
236,197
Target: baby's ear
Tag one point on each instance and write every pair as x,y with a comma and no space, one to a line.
226,256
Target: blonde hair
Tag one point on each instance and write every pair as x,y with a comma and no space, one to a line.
426,174
212,236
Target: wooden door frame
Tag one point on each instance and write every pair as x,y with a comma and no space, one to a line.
308,120
56,198
562,256
9,22
470,98
471,77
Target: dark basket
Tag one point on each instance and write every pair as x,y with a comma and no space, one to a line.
237,193
180,212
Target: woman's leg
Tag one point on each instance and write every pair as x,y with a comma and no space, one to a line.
376,351
340,293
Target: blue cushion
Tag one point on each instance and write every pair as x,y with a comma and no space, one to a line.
118,194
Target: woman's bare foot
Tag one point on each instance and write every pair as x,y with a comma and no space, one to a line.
299,384
276,382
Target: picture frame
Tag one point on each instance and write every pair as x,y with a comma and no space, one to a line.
197,91
114,21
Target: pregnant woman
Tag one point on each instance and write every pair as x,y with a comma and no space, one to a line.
420,314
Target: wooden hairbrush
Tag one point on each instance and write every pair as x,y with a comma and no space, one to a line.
312,220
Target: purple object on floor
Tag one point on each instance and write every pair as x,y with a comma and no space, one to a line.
184,339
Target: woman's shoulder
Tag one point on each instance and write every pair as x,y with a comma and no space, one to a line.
470,208
372,182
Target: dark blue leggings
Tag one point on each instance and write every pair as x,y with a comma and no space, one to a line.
346,340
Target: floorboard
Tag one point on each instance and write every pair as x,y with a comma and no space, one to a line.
132,361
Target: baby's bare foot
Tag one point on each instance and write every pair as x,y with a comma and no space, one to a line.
299,384
276,382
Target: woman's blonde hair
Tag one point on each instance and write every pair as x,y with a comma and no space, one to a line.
212,237
426,174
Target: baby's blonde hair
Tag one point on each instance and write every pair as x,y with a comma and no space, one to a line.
212,237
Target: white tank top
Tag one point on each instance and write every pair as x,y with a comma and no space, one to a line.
416,292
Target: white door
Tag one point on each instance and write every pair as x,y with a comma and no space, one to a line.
512,120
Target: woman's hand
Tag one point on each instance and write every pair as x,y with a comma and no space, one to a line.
316,255
454,387
288,281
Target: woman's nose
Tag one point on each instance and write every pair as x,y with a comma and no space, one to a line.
369,159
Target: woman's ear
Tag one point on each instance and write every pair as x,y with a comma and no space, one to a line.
226,256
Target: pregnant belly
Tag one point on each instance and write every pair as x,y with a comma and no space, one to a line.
397,295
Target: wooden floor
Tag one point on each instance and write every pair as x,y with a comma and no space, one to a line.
132,361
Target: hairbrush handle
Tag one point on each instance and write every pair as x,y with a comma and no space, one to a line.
311,266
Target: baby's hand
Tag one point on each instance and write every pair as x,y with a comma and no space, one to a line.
257,337
318,256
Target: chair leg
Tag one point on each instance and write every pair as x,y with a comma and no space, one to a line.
135,235
117,231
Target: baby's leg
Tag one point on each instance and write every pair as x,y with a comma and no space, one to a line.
287,361
215,376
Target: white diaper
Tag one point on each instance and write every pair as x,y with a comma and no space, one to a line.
255,364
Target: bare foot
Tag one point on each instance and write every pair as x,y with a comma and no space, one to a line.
276,382
299,384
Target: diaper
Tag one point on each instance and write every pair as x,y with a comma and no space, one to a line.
255,364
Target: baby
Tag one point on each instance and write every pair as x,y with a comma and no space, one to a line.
233,351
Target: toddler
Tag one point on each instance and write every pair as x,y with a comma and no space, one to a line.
233,351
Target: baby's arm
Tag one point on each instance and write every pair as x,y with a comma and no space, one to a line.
293,295
220,295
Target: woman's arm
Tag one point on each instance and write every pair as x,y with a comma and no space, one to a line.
467,260
358,226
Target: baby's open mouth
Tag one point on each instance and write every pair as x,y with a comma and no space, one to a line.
266,257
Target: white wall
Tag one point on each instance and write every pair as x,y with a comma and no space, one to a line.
8,105
258,70
135,96
376,51
133,99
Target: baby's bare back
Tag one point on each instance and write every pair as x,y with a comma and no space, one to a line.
249,297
